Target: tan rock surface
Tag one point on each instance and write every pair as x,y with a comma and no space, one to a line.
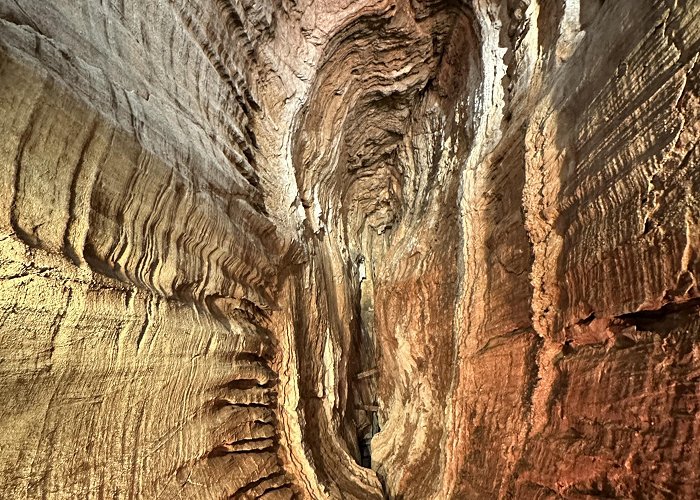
239,239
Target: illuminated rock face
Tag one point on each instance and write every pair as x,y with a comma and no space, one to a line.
249,246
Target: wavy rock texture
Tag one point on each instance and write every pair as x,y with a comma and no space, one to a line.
364,249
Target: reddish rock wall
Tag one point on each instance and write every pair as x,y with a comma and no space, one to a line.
237,238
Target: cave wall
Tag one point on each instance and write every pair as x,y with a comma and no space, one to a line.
590,390
134,237
236,233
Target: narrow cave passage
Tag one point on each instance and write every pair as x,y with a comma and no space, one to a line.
377,152
366,380
357,250
365,440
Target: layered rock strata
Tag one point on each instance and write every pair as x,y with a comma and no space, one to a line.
319,249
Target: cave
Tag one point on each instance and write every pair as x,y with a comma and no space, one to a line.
403,249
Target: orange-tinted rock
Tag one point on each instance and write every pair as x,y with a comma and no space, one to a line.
247,247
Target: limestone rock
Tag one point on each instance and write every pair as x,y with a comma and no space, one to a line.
322,249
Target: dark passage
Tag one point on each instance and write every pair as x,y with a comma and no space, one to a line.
365,442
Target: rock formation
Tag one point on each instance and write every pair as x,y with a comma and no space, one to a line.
419,249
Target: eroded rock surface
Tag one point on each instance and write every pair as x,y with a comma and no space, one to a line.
247,247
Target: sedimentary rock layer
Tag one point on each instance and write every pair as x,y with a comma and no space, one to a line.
319,249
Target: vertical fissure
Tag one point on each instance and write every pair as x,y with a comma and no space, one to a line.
368,412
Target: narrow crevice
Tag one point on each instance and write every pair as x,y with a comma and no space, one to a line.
240,493
650,319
